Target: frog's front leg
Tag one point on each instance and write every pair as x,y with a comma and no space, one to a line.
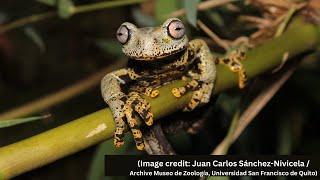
121,105
203,77
114,96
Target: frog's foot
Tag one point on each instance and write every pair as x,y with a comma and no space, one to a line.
232,60
200,96
141,106
133,124
136,104
150,92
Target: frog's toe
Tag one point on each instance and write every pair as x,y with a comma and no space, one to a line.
143,112
200,96
191,86
133,124
178,92
118,142
206,92
195,100
137,135
120,126
118,137
153,93
147,116
243,79
141,107
233,61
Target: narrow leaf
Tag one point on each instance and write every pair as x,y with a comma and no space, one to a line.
13,122
191,10
164,8
35,37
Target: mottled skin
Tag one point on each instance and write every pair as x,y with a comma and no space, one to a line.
157,57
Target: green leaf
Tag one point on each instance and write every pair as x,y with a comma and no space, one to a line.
48,2
65,8
109,46
164,8
13,122
191,11
35,37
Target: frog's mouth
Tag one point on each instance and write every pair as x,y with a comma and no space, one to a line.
159,61
174,55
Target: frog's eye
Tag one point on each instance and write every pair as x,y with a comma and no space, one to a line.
123,34
176,29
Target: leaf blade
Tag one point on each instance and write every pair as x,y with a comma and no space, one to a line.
13,122
191,11
164,8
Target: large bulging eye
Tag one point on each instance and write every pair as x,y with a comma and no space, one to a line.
123,34
176,29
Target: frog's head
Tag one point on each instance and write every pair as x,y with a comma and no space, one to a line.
152,43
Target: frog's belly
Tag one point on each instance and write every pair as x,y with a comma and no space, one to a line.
155,81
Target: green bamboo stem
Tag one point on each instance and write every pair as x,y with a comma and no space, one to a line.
81,133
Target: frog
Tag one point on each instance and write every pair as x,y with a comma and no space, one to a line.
158,56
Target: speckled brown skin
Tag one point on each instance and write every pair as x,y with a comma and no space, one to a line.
156,59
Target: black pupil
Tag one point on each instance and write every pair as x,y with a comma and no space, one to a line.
178,28
120,34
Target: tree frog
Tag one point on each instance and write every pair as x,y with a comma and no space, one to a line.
157,56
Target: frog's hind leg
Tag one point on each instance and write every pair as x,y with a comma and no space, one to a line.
114,96
232,60
203,77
